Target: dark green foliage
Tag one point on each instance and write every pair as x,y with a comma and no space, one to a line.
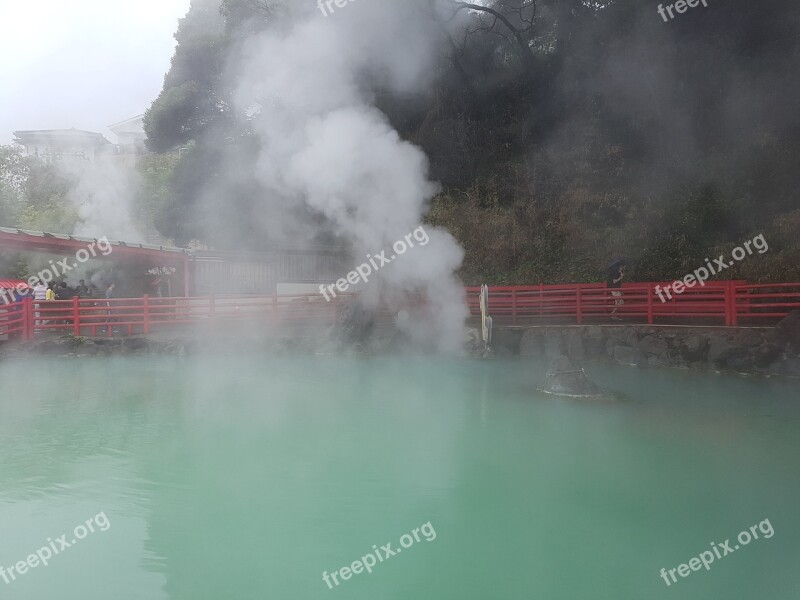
595,130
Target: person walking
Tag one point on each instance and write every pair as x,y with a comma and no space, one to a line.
109,296
39,296
615,277
64,292
82,290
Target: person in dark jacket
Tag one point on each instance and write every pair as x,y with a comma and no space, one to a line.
615,277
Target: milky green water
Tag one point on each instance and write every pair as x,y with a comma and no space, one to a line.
247,478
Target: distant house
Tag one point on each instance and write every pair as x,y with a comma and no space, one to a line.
130,136
59,144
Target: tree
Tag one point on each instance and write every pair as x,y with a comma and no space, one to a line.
190,100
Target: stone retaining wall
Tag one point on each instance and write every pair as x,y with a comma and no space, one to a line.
774,350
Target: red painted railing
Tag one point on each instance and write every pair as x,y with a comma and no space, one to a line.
15,320
141,315
721,303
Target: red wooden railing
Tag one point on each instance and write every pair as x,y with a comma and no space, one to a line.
141,315
721,303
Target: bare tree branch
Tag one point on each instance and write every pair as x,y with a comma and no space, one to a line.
521,46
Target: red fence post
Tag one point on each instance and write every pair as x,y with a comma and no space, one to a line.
727,304
76,316
541,299
513,306
650,293
27,318
146,314
578,305
733,310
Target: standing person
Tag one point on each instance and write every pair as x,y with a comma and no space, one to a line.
82,290
39,296
109,296
64,292
615,277
51,291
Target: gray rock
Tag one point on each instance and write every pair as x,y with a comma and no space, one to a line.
736,359
766,354
749,337
626,355
135,344
532,343
789,330
575,349
789,367
554,343
508,339
594,342
655,360
652,344
565,379
693,348
718,344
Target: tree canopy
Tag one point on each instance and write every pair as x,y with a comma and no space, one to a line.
562,131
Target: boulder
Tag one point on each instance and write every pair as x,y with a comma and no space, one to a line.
594,342
789,329
788,367
749,337
718,344
653,344
626,355
507,339
575,349
736,359
554,343
135,344
655,360
354,323
766,354
565,379
693,348
532,343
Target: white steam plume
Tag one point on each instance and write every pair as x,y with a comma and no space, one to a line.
104,194
325,145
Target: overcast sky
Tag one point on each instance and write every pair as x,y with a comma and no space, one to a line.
82,63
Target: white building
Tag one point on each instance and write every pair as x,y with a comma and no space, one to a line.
130,135
59,144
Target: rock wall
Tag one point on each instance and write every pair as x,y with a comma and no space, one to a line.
774,350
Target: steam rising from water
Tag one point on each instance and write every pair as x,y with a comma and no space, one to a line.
104,194
324,145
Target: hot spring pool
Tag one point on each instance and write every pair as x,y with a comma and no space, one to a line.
248,478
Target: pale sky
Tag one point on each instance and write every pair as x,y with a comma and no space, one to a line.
82,63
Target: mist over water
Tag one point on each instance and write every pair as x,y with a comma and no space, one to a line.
244,477
104,194
325,147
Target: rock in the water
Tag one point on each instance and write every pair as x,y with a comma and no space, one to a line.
565,379
789,329
354,323
625,355
532,343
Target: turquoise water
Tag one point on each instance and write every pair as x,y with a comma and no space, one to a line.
248,478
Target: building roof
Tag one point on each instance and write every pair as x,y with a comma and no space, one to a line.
10,284
60,134
132,125
59,243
